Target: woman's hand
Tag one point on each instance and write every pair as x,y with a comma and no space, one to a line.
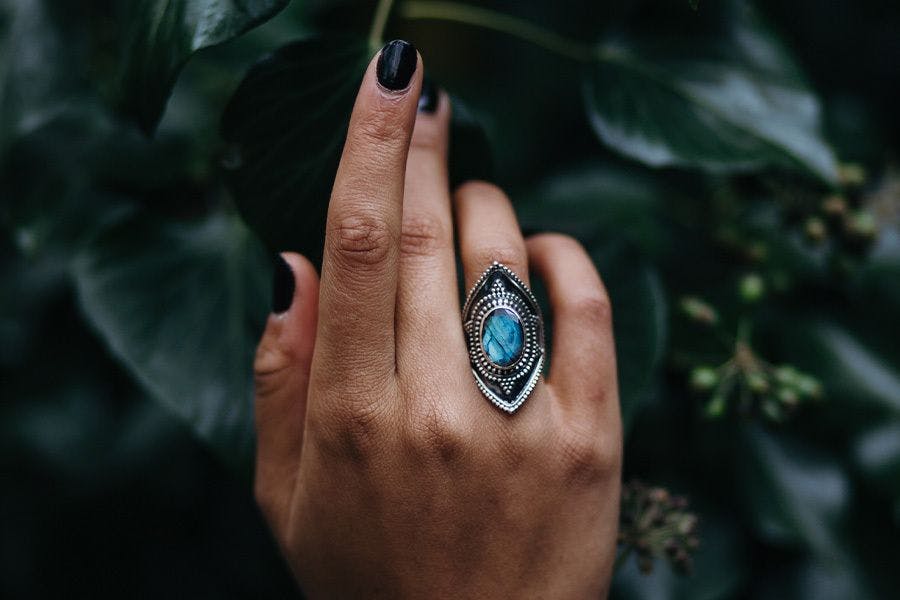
381,468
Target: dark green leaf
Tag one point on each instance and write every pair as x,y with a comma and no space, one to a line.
154,38
597,202
877,455
286,124
855,378
469,155
794,493
735,102
815,579
181,306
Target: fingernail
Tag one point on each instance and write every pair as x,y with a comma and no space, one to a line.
428,98
396,65
282,286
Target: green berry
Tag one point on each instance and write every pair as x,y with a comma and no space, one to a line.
788,396
786,374
704,378
757,382
751,287
861,224
809,386
699,311
834,206
772,409
815,229
716,406
851,174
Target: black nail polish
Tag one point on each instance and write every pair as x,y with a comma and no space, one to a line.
428,98
396,65
282,286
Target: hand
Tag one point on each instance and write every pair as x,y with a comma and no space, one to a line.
381,468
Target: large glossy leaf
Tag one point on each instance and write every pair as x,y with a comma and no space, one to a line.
795,494
815,579
877,456
286,124
181,305
41,66
594,201
732,101
155,38
857,379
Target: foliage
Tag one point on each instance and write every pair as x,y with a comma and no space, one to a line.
728,169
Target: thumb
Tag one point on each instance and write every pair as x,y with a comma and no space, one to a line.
281,374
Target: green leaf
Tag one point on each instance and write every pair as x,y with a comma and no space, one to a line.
182,305
597,202
152,39
286,124
856,379
795,494
735,102
816,579
877,456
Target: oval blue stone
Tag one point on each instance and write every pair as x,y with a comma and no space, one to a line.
502,337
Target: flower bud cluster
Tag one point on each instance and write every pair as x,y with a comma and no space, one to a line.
656,524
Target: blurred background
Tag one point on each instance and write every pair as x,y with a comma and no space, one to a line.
731,166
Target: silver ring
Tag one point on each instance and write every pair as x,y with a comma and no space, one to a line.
505,335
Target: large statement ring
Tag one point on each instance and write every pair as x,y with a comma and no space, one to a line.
505,335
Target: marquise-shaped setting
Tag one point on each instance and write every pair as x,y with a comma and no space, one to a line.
505,335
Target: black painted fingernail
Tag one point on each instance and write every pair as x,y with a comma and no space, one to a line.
282,286
428,98
396,65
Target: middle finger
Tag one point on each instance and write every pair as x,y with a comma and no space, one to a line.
488,231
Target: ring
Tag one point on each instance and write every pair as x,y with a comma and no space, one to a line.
505,335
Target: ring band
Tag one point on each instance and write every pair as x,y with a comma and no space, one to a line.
504,332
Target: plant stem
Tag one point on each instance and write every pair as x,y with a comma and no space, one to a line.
379,21
497,21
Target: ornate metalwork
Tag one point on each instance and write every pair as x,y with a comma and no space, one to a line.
506,383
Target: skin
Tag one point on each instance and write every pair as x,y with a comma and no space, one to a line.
381,469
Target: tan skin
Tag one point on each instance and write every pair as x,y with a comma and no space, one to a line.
381,469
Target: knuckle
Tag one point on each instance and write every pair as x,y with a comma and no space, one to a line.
511,450
378,128
585,458
269,363
591,309
422,236
436,435
352,433
559,239
427,139
260,494
478,190
508,253
362,241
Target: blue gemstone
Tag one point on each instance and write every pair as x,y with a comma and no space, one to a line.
502,337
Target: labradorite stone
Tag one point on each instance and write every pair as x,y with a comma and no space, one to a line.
502,337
